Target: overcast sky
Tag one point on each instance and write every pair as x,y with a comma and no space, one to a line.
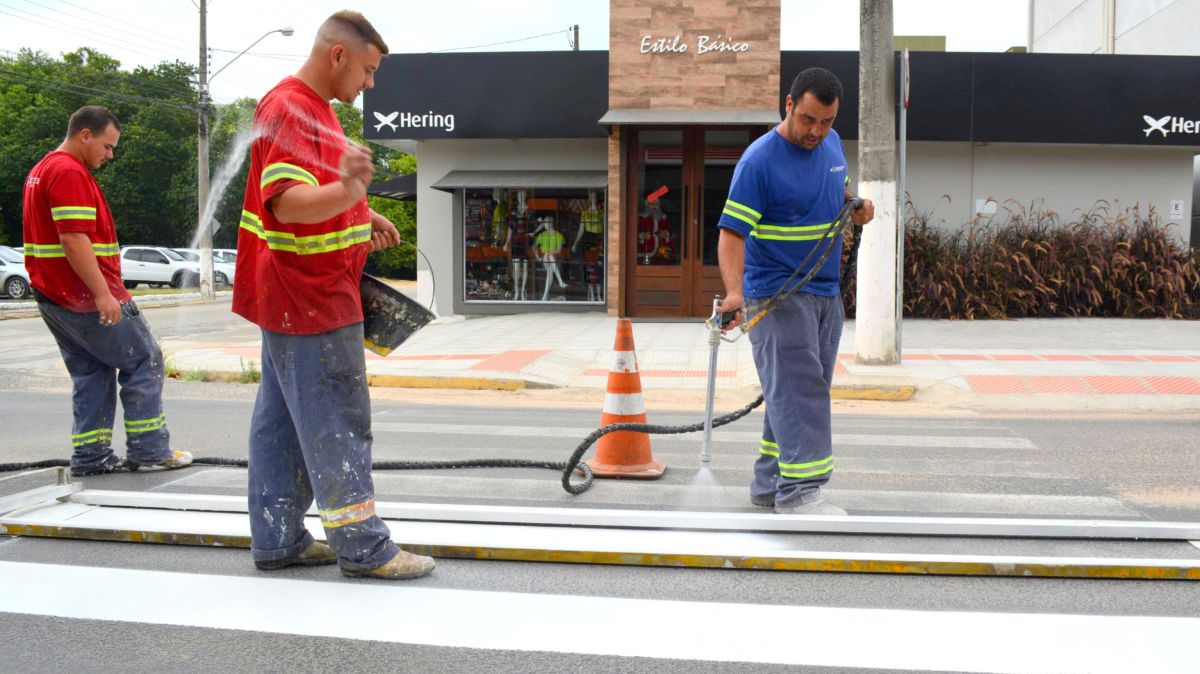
144,32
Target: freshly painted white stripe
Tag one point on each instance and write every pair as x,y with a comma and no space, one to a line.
857,439
623,403
624,361
901,639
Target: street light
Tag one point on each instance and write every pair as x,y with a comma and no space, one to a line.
205,224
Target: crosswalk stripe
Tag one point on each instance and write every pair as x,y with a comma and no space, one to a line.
463,485
873,440
630,627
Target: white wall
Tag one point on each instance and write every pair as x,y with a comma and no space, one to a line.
1166,27
1067,26
1063,178
1158,27
435,208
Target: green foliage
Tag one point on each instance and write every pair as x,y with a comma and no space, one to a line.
1030,265
250,373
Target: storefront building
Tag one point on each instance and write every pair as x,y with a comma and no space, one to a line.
593,181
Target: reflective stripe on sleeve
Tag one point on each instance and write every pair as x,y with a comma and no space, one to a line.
282,171
73,213
741,212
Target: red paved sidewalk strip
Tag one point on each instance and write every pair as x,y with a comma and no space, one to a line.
1092,384
510,361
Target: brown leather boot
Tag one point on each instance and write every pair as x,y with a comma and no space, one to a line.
316,554
403,566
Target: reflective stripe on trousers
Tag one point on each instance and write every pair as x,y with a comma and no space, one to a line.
795,350
311,437
98,358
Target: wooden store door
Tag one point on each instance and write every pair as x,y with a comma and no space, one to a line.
680,179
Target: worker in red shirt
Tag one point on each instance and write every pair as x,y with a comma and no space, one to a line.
72,256
304,238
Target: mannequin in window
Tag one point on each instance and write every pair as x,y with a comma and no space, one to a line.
549,244
516,244
499,217
651,223
591,225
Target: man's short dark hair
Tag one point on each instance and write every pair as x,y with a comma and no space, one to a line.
820,83
347,23
94,118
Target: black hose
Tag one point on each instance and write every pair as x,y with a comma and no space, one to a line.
573,464
583,469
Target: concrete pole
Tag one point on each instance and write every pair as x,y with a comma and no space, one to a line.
875,322
206,265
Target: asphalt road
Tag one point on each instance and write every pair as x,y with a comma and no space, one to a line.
219,612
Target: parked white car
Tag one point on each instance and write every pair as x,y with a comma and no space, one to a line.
14,279
159,266
222,264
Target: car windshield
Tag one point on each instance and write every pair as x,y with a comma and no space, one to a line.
172,254
188,255
9,255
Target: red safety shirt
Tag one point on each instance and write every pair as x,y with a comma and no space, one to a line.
62,196
293,278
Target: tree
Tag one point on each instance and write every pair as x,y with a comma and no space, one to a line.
38,94
399,261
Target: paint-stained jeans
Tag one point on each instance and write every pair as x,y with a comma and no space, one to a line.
98,358
311,435
795,351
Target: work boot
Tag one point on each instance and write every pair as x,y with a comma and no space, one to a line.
112,464
403,566
817,507
766,501
178,459
316,554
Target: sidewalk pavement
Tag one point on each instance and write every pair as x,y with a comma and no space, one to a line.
1027,364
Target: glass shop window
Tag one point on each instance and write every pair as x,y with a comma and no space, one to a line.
532,246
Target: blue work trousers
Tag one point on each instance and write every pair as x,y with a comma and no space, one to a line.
98,358
795,350
311,435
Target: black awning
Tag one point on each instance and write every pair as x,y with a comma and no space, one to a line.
691,116
403,188
519,179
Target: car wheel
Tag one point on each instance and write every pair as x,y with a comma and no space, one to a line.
129,285
220,279
17,288
177,280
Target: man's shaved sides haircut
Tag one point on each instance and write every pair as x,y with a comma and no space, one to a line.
351,29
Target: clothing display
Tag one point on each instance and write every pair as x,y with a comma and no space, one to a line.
550,239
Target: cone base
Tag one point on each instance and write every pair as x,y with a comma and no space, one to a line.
642,471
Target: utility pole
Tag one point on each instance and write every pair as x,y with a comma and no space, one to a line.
875,320
575,42
206,261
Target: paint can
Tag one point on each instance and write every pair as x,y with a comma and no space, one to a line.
389,317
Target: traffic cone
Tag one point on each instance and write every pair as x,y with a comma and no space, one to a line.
624,453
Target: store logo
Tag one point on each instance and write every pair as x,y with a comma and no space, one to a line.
838,169
704,44
409,120
385,120
1178,125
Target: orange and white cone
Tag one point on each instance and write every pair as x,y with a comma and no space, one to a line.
624,453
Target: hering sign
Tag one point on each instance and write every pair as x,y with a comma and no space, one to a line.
704,45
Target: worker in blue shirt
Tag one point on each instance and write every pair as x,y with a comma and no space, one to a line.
787,188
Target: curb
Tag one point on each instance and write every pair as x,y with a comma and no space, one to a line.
886,393
459,383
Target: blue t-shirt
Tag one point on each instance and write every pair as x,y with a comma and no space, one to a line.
782,200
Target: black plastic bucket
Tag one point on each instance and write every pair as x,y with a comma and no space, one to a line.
389,317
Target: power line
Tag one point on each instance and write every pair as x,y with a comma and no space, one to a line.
283,57
122,28
159,87
496,44
77,89
86,37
